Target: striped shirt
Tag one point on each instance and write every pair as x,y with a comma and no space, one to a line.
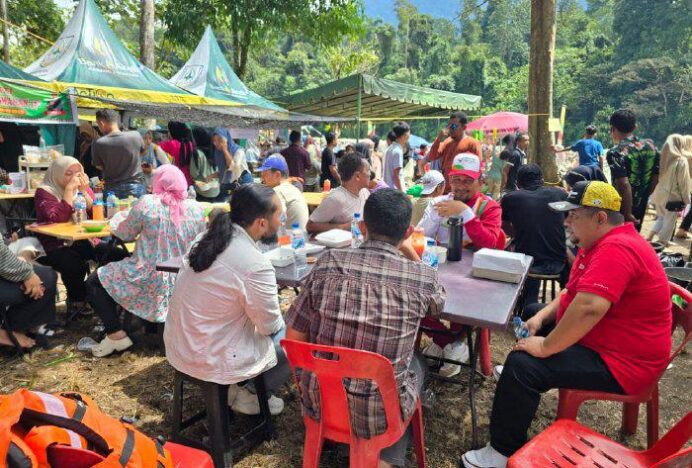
12,268
372,299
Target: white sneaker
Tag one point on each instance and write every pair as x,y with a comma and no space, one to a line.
457,351
487,457
497,371
108,346
434,350
243,401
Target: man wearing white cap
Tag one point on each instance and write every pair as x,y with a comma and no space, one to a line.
433,183
482,220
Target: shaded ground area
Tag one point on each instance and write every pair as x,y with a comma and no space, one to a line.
139,384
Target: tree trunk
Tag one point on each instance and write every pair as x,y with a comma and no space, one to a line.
5,32
542,53
146,33
244,48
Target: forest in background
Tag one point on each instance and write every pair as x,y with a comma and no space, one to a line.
609,53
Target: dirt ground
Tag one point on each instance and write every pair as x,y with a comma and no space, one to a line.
138,384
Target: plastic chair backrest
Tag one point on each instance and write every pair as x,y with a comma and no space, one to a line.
682,318
345,363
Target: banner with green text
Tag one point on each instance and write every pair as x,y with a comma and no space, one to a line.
22,104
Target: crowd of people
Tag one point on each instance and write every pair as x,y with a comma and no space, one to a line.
608,329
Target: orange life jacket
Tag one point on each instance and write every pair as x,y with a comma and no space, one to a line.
31,422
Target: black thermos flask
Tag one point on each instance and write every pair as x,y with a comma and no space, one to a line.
456,235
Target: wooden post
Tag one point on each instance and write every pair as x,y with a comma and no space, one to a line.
542,53
5,32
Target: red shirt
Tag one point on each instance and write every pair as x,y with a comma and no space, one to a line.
447,149
484,230
633,337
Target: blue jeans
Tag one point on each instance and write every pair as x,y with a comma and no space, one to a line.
126,189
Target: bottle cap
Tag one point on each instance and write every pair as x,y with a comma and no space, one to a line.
356,215
431,241
294,225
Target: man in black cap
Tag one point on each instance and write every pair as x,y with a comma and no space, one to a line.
537,230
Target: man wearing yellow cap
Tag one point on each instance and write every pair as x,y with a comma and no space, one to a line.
609,329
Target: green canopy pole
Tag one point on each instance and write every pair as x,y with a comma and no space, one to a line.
358,106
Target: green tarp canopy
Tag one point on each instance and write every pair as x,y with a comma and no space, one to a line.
14,73
89,58
366,97
208,73
24,104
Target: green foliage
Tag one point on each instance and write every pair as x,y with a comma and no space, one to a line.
40,17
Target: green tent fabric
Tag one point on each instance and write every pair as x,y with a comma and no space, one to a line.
89,53
208,73
377,98
14,73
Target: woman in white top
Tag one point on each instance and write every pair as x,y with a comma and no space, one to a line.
673,186
224,323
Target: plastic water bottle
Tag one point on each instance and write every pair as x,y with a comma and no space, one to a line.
356,235
191,194
111,205
298,246
283,236
80,206
429,254
520,328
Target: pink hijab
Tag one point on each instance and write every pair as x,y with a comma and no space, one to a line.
170,186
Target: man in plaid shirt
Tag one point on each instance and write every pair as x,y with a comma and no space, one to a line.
371,298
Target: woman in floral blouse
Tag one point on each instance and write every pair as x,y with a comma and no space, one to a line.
164,225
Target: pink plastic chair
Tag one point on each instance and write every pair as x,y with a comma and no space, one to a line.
335,421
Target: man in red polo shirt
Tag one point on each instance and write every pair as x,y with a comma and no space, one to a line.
451,141
611,323
482,220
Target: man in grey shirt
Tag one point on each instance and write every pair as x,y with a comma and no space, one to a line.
394,158
116,154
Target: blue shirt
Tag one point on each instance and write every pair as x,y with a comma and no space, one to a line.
589,151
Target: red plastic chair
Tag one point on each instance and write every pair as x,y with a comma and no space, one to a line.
570,400
335,421
188,457
567,444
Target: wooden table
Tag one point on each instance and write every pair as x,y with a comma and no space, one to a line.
313,199
16,196
68,231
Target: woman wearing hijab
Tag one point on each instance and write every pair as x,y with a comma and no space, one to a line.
230,161
164,224
673,188
54,201
181,147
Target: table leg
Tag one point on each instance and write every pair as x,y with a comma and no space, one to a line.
473,360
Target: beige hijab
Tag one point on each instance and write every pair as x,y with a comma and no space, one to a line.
53,180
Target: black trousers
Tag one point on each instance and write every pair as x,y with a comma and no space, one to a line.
686,221
72,264
24,313
525,377
103,304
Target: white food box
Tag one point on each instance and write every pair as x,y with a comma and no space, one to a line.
280,257
334,238
500,265
18,182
